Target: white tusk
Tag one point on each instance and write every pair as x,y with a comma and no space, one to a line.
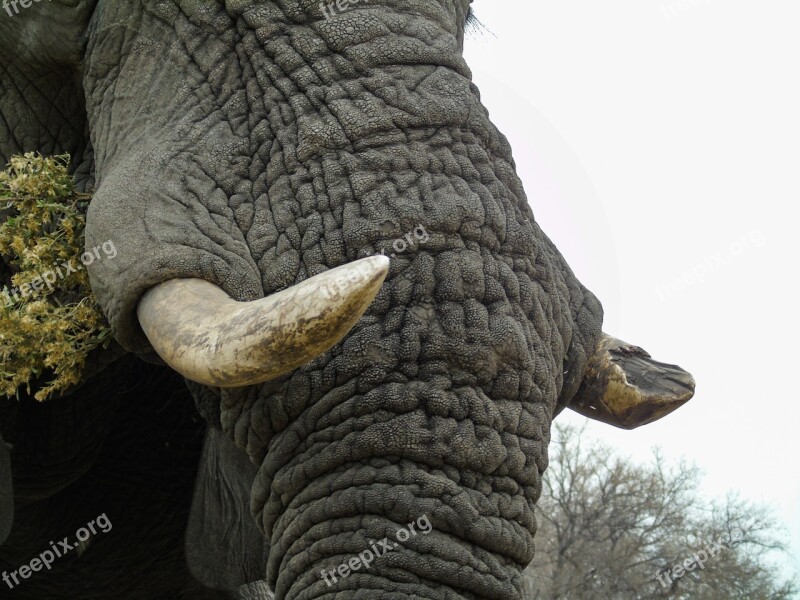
210,338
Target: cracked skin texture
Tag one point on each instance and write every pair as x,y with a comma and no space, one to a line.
255,144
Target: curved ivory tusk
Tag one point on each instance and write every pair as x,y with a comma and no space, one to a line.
208,337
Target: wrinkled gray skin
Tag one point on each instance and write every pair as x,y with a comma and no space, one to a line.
254,144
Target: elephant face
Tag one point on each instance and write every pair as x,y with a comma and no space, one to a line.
242,148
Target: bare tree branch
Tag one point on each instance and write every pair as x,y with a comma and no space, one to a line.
609,528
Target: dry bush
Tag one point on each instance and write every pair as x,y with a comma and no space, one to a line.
46,331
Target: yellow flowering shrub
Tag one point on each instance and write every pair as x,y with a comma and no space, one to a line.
49,320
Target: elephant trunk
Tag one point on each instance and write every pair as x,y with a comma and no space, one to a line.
419,490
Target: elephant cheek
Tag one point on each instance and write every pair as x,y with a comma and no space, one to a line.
224,549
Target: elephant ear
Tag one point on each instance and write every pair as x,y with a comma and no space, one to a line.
6,492
623,386
224,548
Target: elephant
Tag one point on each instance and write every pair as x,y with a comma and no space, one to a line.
286,408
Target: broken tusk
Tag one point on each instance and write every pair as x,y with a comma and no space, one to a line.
624,387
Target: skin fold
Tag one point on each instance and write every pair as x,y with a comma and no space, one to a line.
254,144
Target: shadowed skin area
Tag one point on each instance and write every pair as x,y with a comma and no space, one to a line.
256,144
125,444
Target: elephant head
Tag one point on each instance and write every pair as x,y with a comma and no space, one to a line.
250,158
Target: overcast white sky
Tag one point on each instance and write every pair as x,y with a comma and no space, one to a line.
659,140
